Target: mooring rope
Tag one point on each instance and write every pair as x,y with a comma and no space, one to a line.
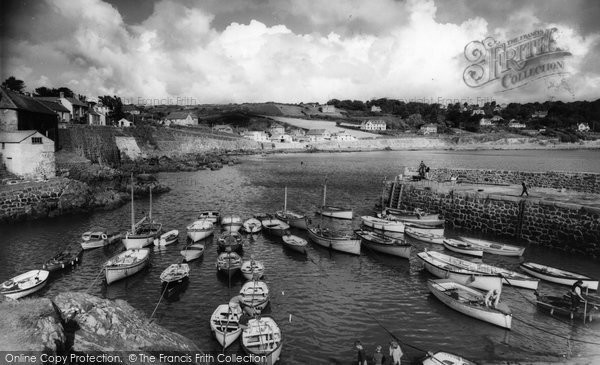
159,300
93,282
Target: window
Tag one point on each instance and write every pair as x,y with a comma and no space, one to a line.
36,140
2,145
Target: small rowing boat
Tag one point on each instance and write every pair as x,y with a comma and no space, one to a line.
192,252
200,229
167,238
229,263
462,247
97,239
24,284
67,258
125,264
255,295
295,243
424,236
231,223
275,227
382,224
558,276
252,269
263,338
445,358
225,324
210,215
338,241
251,225
495,248
175,273
230,240
384,244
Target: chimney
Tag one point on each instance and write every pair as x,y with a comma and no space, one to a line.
61,95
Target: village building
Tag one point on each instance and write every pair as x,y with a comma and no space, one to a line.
478,112
328,108
515,124
297,132
124,123
130,109
485,122
223,128
373,125
317,135
77,108
181,117
64,116
583,127
375,109
342,136
276,129
282,138
258,136
496,119
429,128
28,154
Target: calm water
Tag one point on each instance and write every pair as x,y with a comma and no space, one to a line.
323,303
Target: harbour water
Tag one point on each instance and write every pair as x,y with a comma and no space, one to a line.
326,301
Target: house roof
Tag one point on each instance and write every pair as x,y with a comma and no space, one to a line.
430,125
181,114
127,120
315,132
78,102
275,125
222,126
57,107
16,137
12,100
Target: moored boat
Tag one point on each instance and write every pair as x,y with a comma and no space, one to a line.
97,239
333,211
166,239
462,247
24,284
125,264
275,227
558,276
293,219
231,223
229,263
211,215
424,236
562,306
175,273
443,358
252,269
64,259
225,324
335,240
295,243
470,302
384,244
495,248
382,224
435,264
230,240
143,232
255,295
425,229
251,225
263,338
192,252
200,229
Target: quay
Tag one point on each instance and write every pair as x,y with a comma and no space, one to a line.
561,212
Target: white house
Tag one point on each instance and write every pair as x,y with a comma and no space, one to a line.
328,109
373,125
317,135
28,154
514,124
181,117
130,109
497,118
257,136
124,123
283,138
478,112
342,136
223,128
540,114
485,122
375,109
429,128
276,129
583,127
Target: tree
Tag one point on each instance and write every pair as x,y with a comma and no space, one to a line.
53,92
14,84
116,106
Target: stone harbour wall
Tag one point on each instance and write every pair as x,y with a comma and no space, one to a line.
566,227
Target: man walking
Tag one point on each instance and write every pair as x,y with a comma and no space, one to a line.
524,189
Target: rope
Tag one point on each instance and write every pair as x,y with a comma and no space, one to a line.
159,300
93,282
556,334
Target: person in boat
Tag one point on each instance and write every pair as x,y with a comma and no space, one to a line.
378,356
395,353
422,168
492,298
575,294
524,189
362,357
243,318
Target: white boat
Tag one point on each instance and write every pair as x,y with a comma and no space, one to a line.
418,217
175,273
384,244
495,248
435,264
470,302
443,358
382,224
230,240
424,236
167,238
229,263
463,247
252,269
126,264
142,233
200,229
509,277
335,240
295,243
225,324
558,276
255,295
192,252
263,338
293,219
251,225
97,239
24,284
332,211
275,227
425,229
231,223
211,215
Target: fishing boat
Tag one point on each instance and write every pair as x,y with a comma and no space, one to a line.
255,295
192,252
495,248
167,238
562,306
558,276
251,225
98,238
294,243
293,219
126,264
462,247
225,324
437,266
425,229
263,338
200,229
275,227
416,217
175,273
24,284
445,358
424,236
143,232
229,263
470,302
332,211
64,259
338,241
384,244
252,269
509,277
382,224
230,240
231,223
211,215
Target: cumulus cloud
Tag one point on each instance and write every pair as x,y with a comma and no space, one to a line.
401,51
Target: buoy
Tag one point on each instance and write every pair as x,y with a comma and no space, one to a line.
290,320
62,266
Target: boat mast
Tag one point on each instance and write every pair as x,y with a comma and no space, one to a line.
132,212
150,214
285,200
324,192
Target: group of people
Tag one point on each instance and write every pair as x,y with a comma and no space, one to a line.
392,358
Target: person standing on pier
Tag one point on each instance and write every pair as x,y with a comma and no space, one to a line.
575,294
378,356
362,356
395,353
524,189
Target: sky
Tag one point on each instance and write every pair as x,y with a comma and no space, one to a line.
290,51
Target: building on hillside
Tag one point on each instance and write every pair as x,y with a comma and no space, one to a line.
429,128
22,113
28,154
297,132
276,129
485,122
282,138
317,135
515,124
497,109
328,108
130,109
94,118
77,108
258,136
342,136
478,112
496,119
540,114
373,125
223,128
124,123
64,116
182,117
375,109
583,127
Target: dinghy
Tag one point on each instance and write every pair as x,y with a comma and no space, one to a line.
332,211
263,338
417,217
462,247
126,264
24,284
167,238
230,240
495,248
225,324
200,229
561,306
445,358
384,244
425,229
231,223
470,302
97,239
293,219
294,243
382,224
143,232
175,273
338,241
255,294
229,263
251,225
212,216
275,227
192,252
558,276
252,269
65,259
424,236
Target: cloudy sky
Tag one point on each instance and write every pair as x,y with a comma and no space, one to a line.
217,51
